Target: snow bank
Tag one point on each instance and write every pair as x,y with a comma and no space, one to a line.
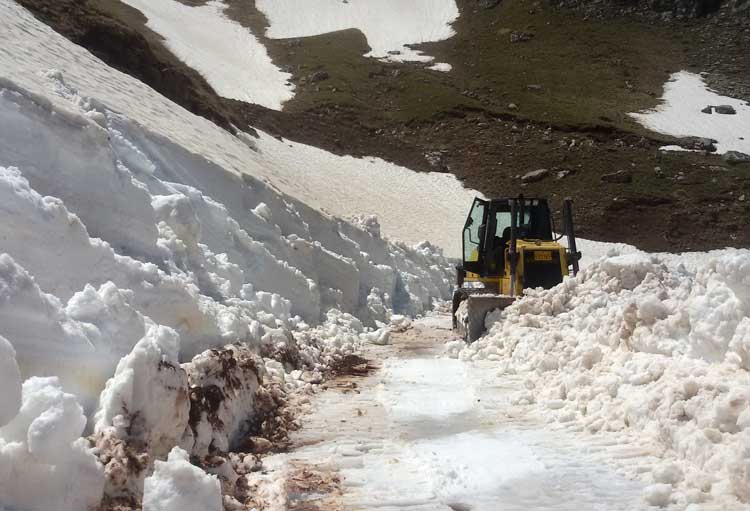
227,54
217,272
641,344
679,115
389,25
176,485
158,134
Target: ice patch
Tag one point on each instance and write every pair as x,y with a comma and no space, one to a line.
435,390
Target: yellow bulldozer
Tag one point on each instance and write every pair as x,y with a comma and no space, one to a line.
509,244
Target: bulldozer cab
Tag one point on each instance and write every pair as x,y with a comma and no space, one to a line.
508,246
489,228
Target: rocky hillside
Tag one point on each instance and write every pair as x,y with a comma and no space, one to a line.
535,87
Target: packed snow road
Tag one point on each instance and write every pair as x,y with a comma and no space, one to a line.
424,432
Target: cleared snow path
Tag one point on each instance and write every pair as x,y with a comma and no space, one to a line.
427,433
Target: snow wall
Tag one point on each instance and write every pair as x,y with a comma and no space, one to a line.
151,298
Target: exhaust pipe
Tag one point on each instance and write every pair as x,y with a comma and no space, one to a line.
573,254
512,250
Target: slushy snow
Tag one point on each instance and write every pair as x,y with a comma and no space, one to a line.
228,55
390,26
679,114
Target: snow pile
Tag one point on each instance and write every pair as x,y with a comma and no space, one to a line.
176,485
44,464
680,114
227,54
390,26
640,344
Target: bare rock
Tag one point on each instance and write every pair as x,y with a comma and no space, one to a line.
699,144
520,37
725,109
621,176
534,176
736,157
260,445
318,76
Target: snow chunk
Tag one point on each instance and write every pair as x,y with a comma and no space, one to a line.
442,67
176,485
657,494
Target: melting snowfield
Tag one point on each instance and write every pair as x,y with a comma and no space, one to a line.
680,115
400,198
227,54
389,25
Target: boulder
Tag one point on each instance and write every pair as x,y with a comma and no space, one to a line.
621,176
535,175
318,76
699,144
488,4
520,37
736,157
725,109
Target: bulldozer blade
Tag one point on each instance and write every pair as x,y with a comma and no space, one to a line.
472,312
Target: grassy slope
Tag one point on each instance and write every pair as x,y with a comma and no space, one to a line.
583,68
